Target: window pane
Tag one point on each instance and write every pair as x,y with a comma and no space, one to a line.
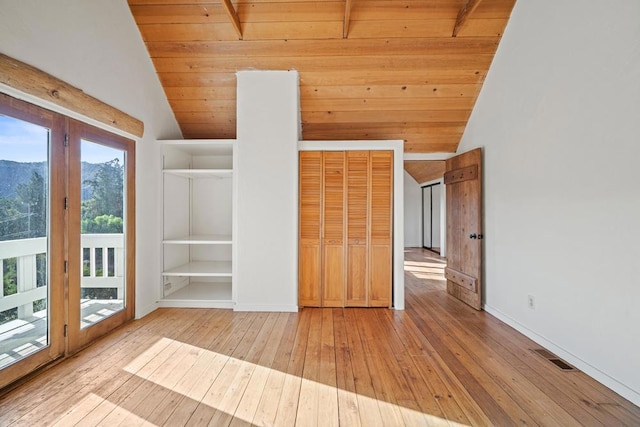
102,227
24,213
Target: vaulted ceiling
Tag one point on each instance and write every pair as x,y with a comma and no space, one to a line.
369,69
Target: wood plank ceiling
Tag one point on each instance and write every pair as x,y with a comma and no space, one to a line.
374,69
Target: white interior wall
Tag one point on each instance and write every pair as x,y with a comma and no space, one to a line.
558,120
265,268
412,212
96,47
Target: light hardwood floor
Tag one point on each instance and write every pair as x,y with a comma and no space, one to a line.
437,363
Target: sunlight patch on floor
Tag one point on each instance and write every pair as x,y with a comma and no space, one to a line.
237,387
426,270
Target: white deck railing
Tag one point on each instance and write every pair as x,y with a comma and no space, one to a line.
25,251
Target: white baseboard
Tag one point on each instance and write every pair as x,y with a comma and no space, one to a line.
267,308
595,373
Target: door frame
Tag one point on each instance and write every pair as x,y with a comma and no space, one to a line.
61,344
397,146
442,230
77,338
25,111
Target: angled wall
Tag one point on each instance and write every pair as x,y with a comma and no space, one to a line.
558,120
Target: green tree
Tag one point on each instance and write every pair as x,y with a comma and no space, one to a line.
102,224
10,219
33,199
107,191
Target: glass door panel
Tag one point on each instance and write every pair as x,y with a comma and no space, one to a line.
102,232
32,165
24,219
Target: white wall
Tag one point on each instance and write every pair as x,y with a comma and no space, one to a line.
558,118
266,268
96,46
412,212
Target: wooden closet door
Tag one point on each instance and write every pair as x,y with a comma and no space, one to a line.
333,276
381,247
309,257
357,228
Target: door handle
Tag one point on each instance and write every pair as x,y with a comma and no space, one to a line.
476,236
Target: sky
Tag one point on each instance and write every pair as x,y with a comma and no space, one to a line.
21,141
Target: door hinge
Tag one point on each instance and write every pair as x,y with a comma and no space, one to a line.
65,330
66,139
66,266
66,203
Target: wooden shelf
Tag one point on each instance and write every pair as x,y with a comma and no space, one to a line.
200,294
215,239
200,173
197,223
202,269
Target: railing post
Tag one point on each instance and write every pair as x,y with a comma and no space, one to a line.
1,278
92,262
105,262
26,277
118,259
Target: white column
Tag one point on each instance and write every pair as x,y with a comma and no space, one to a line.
266,159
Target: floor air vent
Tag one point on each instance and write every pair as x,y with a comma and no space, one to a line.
554,359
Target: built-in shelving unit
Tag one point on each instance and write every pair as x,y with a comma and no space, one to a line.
197,223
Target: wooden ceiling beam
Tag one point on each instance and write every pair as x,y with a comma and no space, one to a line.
347,18
463,15
233,16
35,82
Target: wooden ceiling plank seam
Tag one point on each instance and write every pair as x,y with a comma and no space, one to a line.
464,14
233,16
385,116
344,47
333,78
347,18
415,63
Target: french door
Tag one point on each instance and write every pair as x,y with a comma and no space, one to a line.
66,235
101,234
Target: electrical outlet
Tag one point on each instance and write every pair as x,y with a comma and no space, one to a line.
531,302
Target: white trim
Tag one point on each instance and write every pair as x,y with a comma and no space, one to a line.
398,198
266,308
32,99
603,378
428,156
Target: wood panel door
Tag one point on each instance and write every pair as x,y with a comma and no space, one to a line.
310,258
381,226
357,289
463,180
333,230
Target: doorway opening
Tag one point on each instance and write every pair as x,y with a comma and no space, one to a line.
432,217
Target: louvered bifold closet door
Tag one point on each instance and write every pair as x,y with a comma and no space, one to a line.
333,233
309,258
357,228
380,245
